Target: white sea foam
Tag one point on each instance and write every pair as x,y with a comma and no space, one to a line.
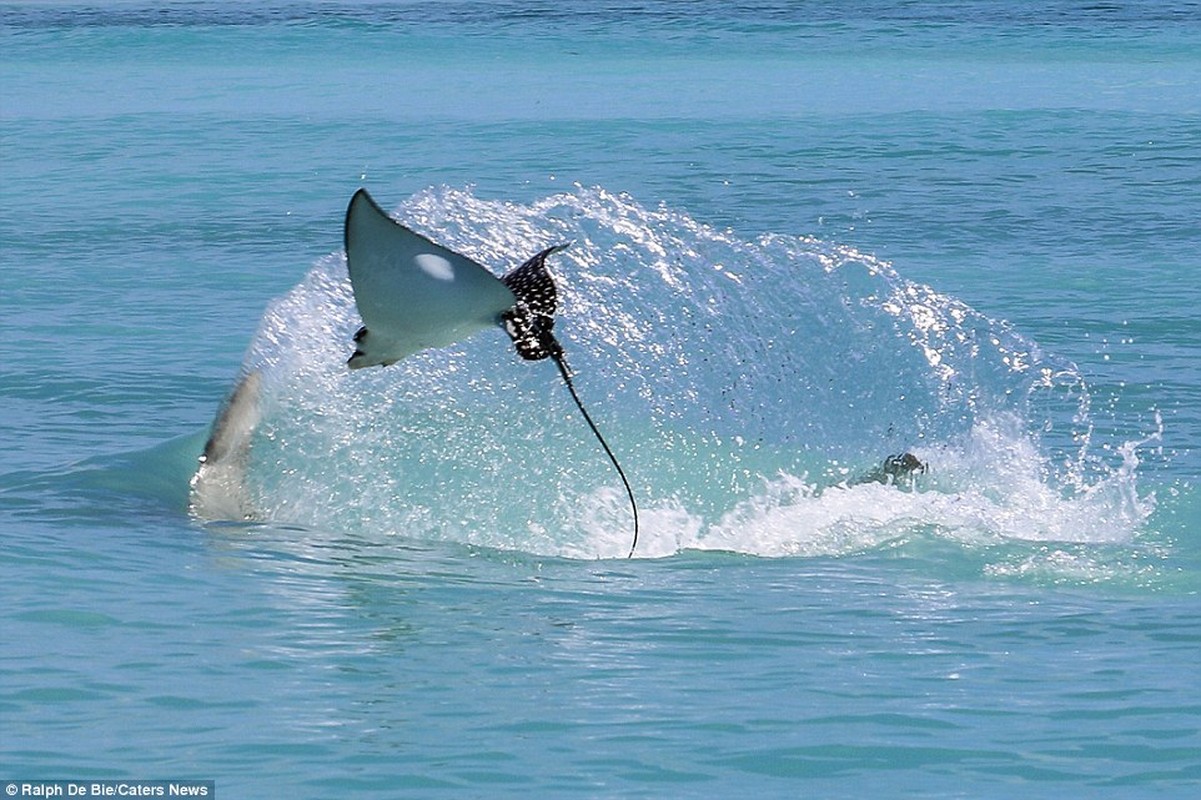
742,384
990,492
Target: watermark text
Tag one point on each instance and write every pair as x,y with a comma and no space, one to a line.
86,789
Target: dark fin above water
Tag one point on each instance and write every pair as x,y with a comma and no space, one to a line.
900,469
235,422
218,489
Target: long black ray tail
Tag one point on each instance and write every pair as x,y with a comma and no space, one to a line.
557,354
529,324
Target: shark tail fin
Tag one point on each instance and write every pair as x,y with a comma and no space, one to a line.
218,489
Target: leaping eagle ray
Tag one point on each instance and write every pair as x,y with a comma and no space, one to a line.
413,294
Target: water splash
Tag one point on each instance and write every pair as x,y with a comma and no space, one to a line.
745,384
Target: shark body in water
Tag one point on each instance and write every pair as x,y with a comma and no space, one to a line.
412,294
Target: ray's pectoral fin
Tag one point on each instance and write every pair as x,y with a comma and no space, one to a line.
530,322
411,293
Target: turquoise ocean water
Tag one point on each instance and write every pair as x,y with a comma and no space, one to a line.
805,236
